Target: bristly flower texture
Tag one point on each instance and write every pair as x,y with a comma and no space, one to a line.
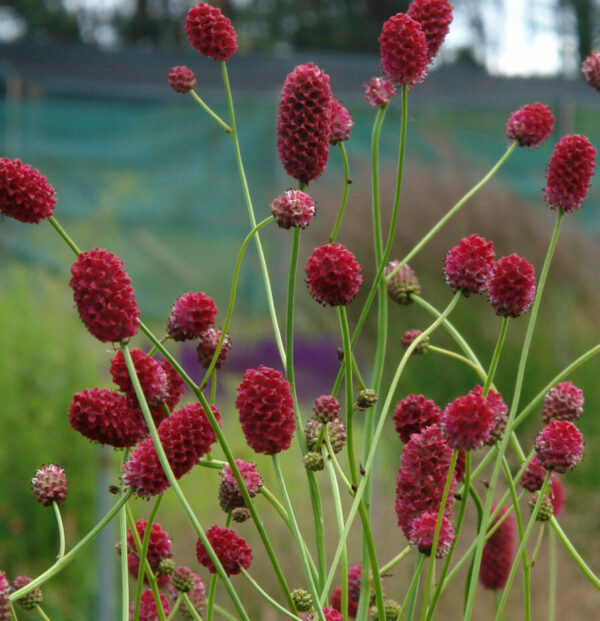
500,410
175,384
182,79
326,408
148,611
186,436
266,410
293,208
341,122
104,296
590,69
31,599
197,595
232,551
423,529
50,484
330,614
435,17
498,553
412,335
557,496
333,275
511,288
207,346
563,402
404,51
152,376
159,547
210,32
403,283
379,91
559,446
25,194
304,123
530,125
534,475
354,577
414,413
230,495
468,266
191,314
569,173
5,610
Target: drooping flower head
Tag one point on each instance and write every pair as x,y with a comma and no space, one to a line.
182,79
434,17
230,495
293,208
511,288
266,410
379,91
563,402
468,266
50,484
210,32
341,122
148,611
30,600
191,314
304,123
414,413
404,51
403,283
104,296
530,125
333,275
423,529
559,446
498,554
354,577
25,194
590,69
569,173
232,551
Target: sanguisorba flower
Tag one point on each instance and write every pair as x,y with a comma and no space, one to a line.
530,125
590,69
104,296
468,265
210,32
511,287
232,551
333,275
330,614
326,408
563,402
404,51
569,173
32,599
557,496
403,283
379,91
150,373
341,122
50,484
412,335
293,208
230,495
191,314
423,529
354,577
266,410
498,554
435,17
559,446
5,610
534,475
414,413
148,611
304,122
159,547
207,346
181,79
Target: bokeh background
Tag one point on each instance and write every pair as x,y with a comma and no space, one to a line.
143,172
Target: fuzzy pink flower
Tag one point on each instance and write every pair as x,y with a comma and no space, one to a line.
563,402
191,314
333,275
403,283
293,208
404,51
379,91
468,266
341,122
511,288
530,125
148,611
569,173
175,384
590,69
498,554
354,577
104,296
159,548
326,408
207,346
413,414
434,17
423,529
266,410
210,32
230,495
232,551
151,375
50,484
559,446
534,475
181,79
330,614
304,123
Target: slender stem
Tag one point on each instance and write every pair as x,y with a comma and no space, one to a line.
210,111
552,577
248,199
224,613
347,182
336,465
397,559
61,530
495,356
42,613
267,597
536,549
451,354
411,595
192,609
54,222
176,607
124,567
213,387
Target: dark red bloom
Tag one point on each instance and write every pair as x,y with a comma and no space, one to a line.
175,384
569,173
468,421
293,208
563,402
413,414
530,125
210,32
500,410
5,611
559,446
333,275
191,314
105,416
148,611
404,51
25,194
410,336
104,296
354,577
557,496
468,266
151,375
434,17
402,284
232,551
423,529
50,484
186,436
207,346
379,91
181,79
590,69
266,410
230,495
326,408
331,614
28,601
304,123
511,288
336,430
159,548
341,122
422,477
534,475
498,554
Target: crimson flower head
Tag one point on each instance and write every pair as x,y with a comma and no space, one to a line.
232,551
468,266
293,208
341,122
207,346
175,384
404,51
590,69
557,496
410,336
534,475
379,91
333,275
266,410
148,611
326,408
511,288
182,79
191,314
530,125
500,410
25,194
159,546
330,614
413,414
423,529
559,446
563,402
230,495
304,123
5,609
569,173
151,375
354,577
435,17
104,296
50,484
210,32
498,554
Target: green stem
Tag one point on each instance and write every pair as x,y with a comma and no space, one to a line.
347,182
61,530
213,387
209,110
552,578
336,465
192,609
176,607
124,566
42,613
397,559
536,550
495,357
451,354
410,598
224,613
54,222
267,597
